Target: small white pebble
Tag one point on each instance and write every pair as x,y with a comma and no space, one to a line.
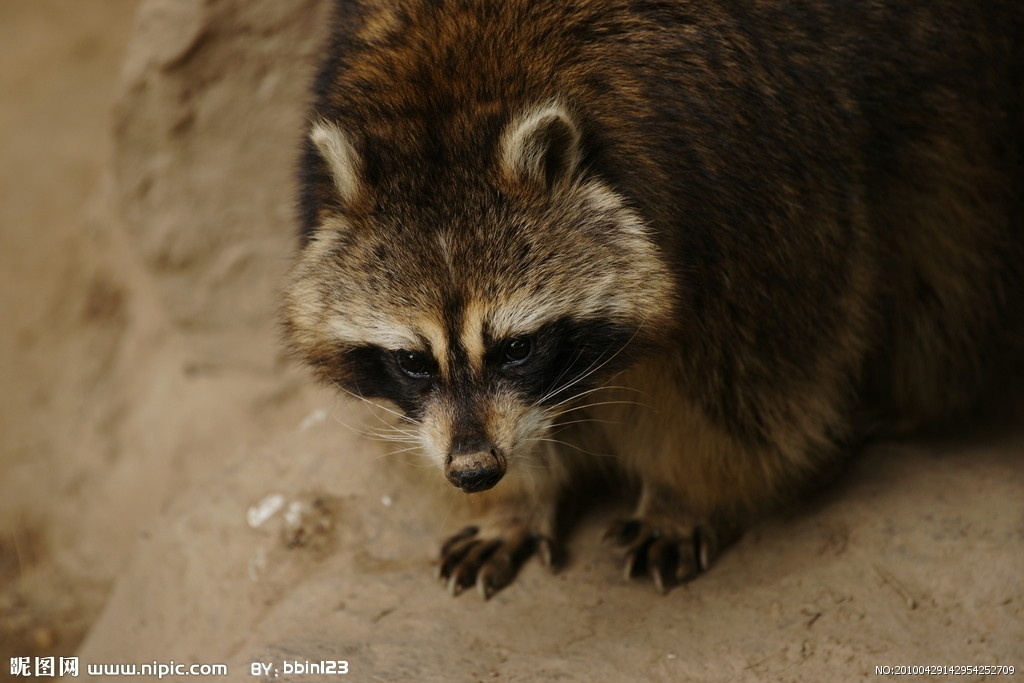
264,510
671,655
386,501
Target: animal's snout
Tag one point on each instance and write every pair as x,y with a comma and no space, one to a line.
477,471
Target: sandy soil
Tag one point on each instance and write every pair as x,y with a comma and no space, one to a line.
148,417
61,313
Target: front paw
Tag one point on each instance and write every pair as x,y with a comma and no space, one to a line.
669,553
489,560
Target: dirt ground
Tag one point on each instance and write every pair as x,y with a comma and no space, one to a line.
171,489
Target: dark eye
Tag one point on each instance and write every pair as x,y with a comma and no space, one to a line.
414,363
517,350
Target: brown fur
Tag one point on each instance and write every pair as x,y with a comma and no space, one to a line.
807,215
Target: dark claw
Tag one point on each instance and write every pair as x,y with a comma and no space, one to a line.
465,574
637,556
454,550
706,548
497,573
663,562
546,551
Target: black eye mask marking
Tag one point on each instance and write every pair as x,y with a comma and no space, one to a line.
402,377
562,358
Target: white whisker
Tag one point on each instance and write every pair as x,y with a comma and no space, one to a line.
399,451
591,391
573,446
593,368
374,404
596,404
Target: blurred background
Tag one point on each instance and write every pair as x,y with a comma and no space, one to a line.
145,223
59,64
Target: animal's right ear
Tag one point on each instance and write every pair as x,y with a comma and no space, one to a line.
342,159
542,147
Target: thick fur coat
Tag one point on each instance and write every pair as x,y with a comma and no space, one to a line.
723,240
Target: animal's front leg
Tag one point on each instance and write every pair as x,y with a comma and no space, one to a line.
516,521
666,540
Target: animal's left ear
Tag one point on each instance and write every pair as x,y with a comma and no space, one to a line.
342,159
541,148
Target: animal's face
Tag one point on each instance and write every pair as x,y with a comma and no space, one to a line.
484,313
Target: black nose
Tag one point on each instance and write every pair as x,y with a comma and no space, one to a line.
474,480
477,471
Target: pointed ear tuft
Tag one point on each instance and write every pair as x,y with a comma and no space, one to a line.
542,147
341,157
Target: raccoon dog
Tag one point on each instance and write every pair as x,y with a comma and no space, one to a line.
703,248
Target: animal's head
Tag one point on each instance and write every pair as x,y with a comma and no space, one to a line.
480,304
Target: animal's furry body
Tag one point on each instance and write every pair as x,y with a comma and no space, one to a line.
769,227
